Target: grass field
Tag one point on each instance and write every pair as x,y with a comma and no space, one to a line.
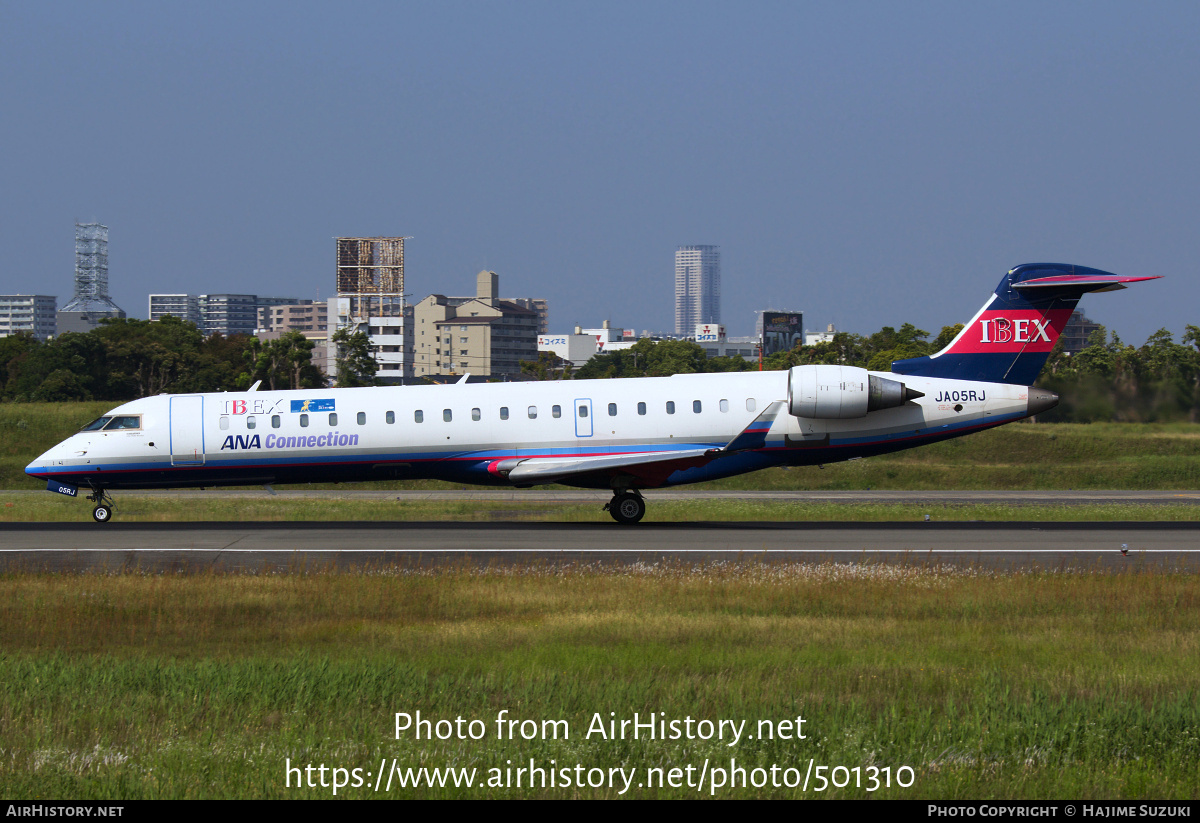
132,508
1068,684
1018,456
1047,685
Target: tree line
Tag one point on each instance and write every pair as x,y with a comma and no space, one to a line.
1107,380
123,359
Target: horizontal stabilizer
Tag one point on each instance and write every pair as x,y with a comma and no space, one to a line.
1082,283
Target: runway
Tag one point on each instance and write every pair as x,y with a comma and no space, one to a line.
312,546
1072,497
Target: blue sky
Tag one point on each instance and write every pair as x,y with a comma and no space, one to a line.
868,163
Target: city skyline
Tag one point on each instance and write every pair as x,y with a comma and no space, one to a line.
840,158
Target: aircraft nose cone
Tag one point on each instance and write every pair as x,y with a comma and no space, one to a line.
42,463
1041,400
35,468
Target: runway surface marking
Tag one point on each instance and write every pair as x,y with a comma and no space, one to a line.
598,551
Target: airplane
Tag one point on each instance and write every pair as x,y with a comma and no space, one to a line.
623,435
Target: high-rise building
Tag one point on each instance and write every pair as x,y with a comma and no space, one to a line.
228,314
225,314
31,313
91,302
1076,332
482,335
184,306
307,317
538,305
697,287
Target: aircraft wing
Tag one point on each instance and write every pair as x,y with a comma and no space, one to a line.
754,436
548,469
651,466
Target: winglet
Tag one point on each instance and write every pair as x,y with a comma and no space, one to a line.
753,436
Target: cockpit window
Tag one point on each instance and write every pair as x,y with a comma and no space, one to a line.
125,421
96,424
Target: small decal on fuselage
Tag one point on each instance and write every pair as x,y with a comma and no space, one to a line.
323,404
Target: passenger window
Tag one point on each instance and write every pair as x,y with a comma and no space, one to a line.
696,406
390,417
304,421
504,412
333,418
670,407
641,408
556,411
447,415
250,422
724,404
750,404
275,421
475,415
612,409
362,418
418,416
224,423
583,411
533,412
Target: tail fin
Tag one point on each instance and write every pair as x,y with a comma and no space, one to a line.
1010,338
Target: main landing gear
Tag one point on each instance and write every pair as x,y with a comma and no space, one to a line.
104,505
627,506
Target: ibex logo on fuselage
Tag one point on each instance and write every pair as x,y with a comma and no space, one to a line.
1020,330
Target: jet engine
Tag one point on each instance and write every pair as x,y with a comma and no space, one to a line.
842,392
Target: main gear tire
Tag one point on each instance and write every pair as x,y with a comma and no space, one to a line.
627,507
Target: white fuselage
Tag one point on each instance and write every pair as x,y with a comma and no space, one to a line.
463,432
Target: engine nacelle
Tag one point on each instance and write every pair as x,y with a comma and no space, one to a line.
842,392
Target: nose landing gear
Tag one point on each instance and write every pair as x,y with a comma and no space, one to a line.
627,506
104,505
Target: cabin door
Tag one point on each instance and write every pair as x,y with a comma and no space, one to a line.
583,417
187,430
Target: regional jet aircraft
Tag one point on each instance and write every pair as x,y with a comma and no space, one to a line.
623,435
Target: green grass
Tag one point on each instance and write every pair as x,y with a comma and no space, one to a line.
1043,685
1018,456
1039,685
132,508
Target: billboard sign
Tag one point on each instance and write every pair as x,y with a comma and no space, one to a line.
781,331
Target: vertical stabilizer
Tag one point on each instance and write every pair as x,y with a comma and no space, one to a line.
1009,339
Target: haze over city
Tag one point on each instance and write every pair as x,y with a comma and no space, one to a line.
866,163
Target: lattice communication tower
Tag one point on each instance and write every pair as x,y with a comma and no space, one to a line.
91,270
